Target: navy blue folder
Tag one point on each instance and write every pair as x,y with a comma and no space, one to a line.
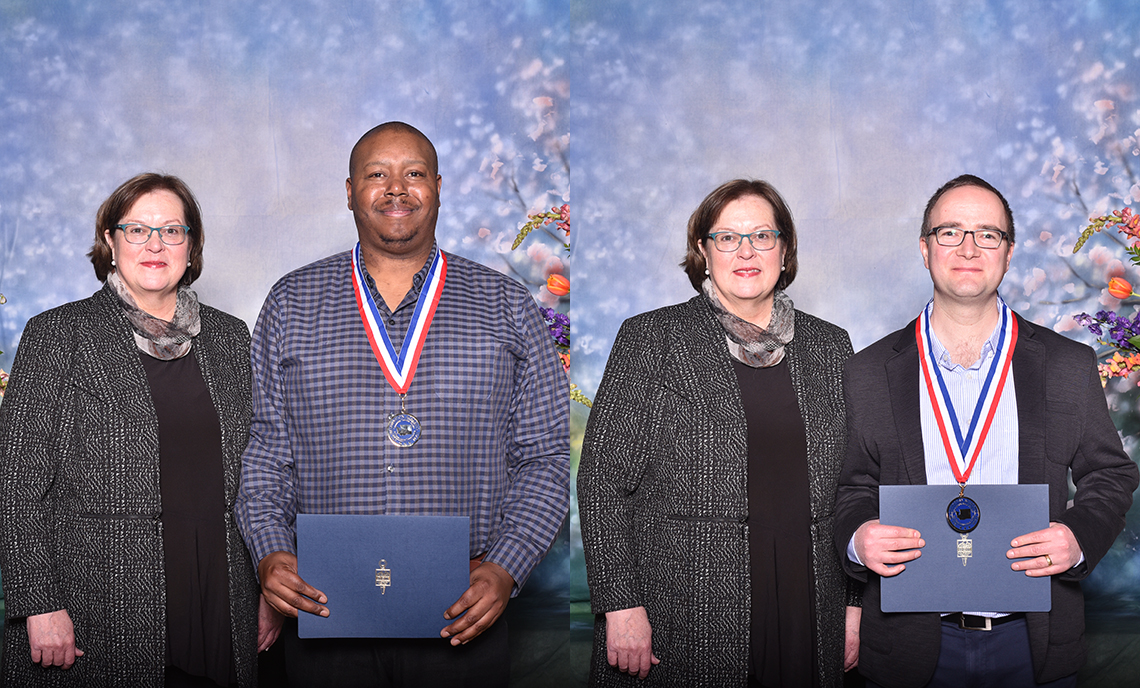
385,576
938,581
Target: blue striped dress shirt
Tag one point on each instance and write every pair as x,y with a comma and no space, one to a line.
489,392
997,463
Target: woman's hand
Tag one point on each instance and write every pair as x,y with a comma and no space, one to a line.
851,645
269,622
52,639
629,641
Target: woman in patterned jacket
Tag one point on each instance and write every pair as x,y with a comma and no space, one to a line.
708,473
120,444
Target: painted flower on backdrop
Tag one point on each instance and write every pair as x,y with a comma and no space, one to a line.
557,285
1119,288
560,216
559,326
1120,333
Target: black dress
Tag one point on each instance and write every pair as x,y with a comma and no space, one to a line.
782,632
198,638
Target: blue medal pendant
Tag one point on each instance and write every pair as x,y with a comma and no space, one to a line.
403,428
963,514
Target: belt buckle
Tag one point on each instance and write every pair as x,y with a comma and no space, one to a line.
987,626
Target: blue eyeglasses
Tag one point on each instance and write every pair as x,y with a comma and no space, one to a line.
727,242
171,235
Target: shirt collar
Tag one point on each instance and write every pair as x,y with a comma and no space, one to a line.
942,355
418,280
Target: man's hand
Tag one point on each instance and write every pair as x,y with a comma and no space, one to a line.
1054,550
484,601
851,644
269,622
629,642
285,590
51,637
883,548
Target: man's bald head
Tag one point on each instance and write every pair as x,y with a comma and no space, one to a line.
394,127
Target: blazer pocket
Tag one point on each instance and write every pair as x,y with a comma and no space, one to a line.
122,402
672,388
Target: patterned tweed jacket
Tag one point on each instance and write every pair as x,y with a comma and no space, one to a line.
663,498
80,509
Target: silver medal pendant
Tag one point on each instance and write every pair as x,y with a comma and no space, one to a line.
403,429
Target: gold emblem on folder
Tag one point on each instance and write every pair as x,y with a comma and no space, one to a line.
383,577
965,549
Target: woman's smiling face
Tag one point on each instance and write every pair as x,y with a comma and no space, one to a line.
151,271
745,279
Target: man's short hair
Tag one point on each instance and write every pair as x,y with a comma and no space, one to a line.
394,126
121,200
708,212
966,180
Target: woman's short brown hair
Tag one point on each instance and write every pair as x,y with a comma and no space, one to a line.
121,200
708,212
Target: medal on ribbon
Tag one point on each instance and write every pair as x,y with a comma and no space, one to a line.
963,514
403,429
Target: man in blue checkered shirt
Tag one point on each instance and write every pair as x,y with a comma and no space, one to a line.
487,399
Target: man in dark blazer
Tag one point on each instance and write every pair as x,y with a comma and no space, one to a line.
1056,423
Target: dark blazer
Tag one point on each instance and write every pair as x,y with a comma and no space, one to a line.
79,493
1063,426
663,498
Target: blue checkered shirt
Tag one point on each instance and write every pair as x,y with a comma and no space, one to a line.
489,392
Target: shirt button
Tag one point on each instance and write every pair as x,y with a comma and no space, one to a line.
391,321
391,468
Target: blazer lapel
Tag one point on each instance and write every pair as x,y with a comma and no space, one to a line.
811,389
203,354
813,431
699,368
109,346
1029,388
902,382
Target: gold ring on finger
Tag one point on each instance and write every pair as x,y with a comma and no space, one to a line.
1048,560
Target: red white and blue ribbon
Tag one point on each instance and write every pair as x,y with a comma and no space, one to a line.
963,450
399,368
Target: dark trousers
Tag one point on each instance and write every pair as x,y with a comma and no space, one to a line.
988,659
395,662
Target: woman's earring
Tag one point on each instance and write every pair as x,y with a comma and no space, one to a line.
706,271
782,268
112,262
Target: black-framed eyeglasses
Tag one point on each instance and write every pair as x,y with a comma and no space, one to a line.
764,240
171,235
954,236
